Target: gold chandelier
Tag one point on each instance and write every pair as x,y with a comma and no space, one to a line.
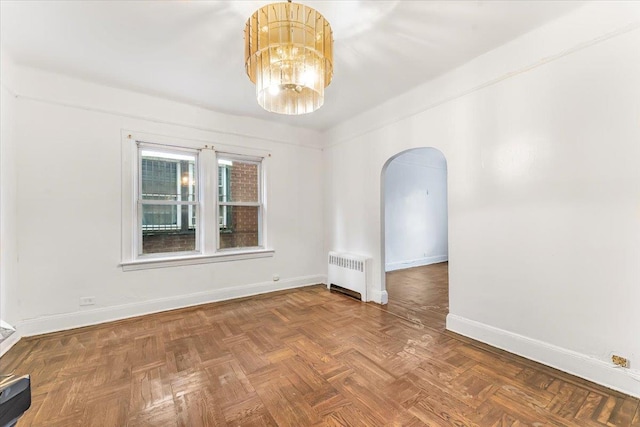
289,57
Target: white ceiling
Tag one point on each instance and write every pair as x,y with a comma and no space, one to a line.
192,51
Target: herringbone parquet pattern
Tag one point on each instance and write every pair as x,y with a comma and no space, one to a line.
305,357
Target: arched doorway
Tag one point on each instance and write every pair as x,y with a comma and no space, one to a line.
415,236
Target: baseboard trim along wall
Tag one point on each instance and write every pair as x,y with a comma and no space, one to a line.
380,297
401,265
8,343
592,369
61,322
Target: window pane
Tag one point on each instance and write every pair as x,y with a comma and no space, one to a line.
237,181
168,228
168,176
241,228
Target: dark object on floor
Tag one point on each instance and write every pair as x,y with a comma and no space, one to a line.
15,399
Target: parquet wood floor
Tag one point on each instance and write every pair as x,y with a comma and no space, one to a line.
420,294
305,357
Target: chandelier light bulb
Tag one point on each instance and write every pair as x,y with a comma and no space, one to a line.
274,90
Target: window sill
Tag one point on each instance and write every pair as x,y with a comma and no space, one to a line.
144,264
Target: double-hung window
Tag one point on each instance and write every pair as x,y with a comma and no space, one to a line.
239,202
185,204
168,200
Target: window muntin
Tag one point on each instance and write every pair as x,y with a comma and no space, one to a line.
167,214
240,206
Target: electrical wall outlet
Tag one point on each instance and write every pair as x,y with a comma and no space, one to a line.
87,301
620,361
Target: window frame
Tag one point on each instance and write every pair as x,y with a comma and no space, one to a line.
141,201
258,161
207,208
225,185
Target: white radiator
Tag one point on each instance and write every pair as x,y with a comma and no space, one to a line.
349,272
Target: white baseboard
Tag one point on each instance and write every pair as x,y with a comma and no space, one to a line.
380,297
587,367
7,343
401,265
61,322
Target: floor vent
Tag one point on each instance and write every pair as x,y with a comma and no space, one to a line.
345,291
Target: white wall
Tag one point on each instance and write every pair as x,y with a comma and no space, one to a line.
9,303
542,144
69,203
415,204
